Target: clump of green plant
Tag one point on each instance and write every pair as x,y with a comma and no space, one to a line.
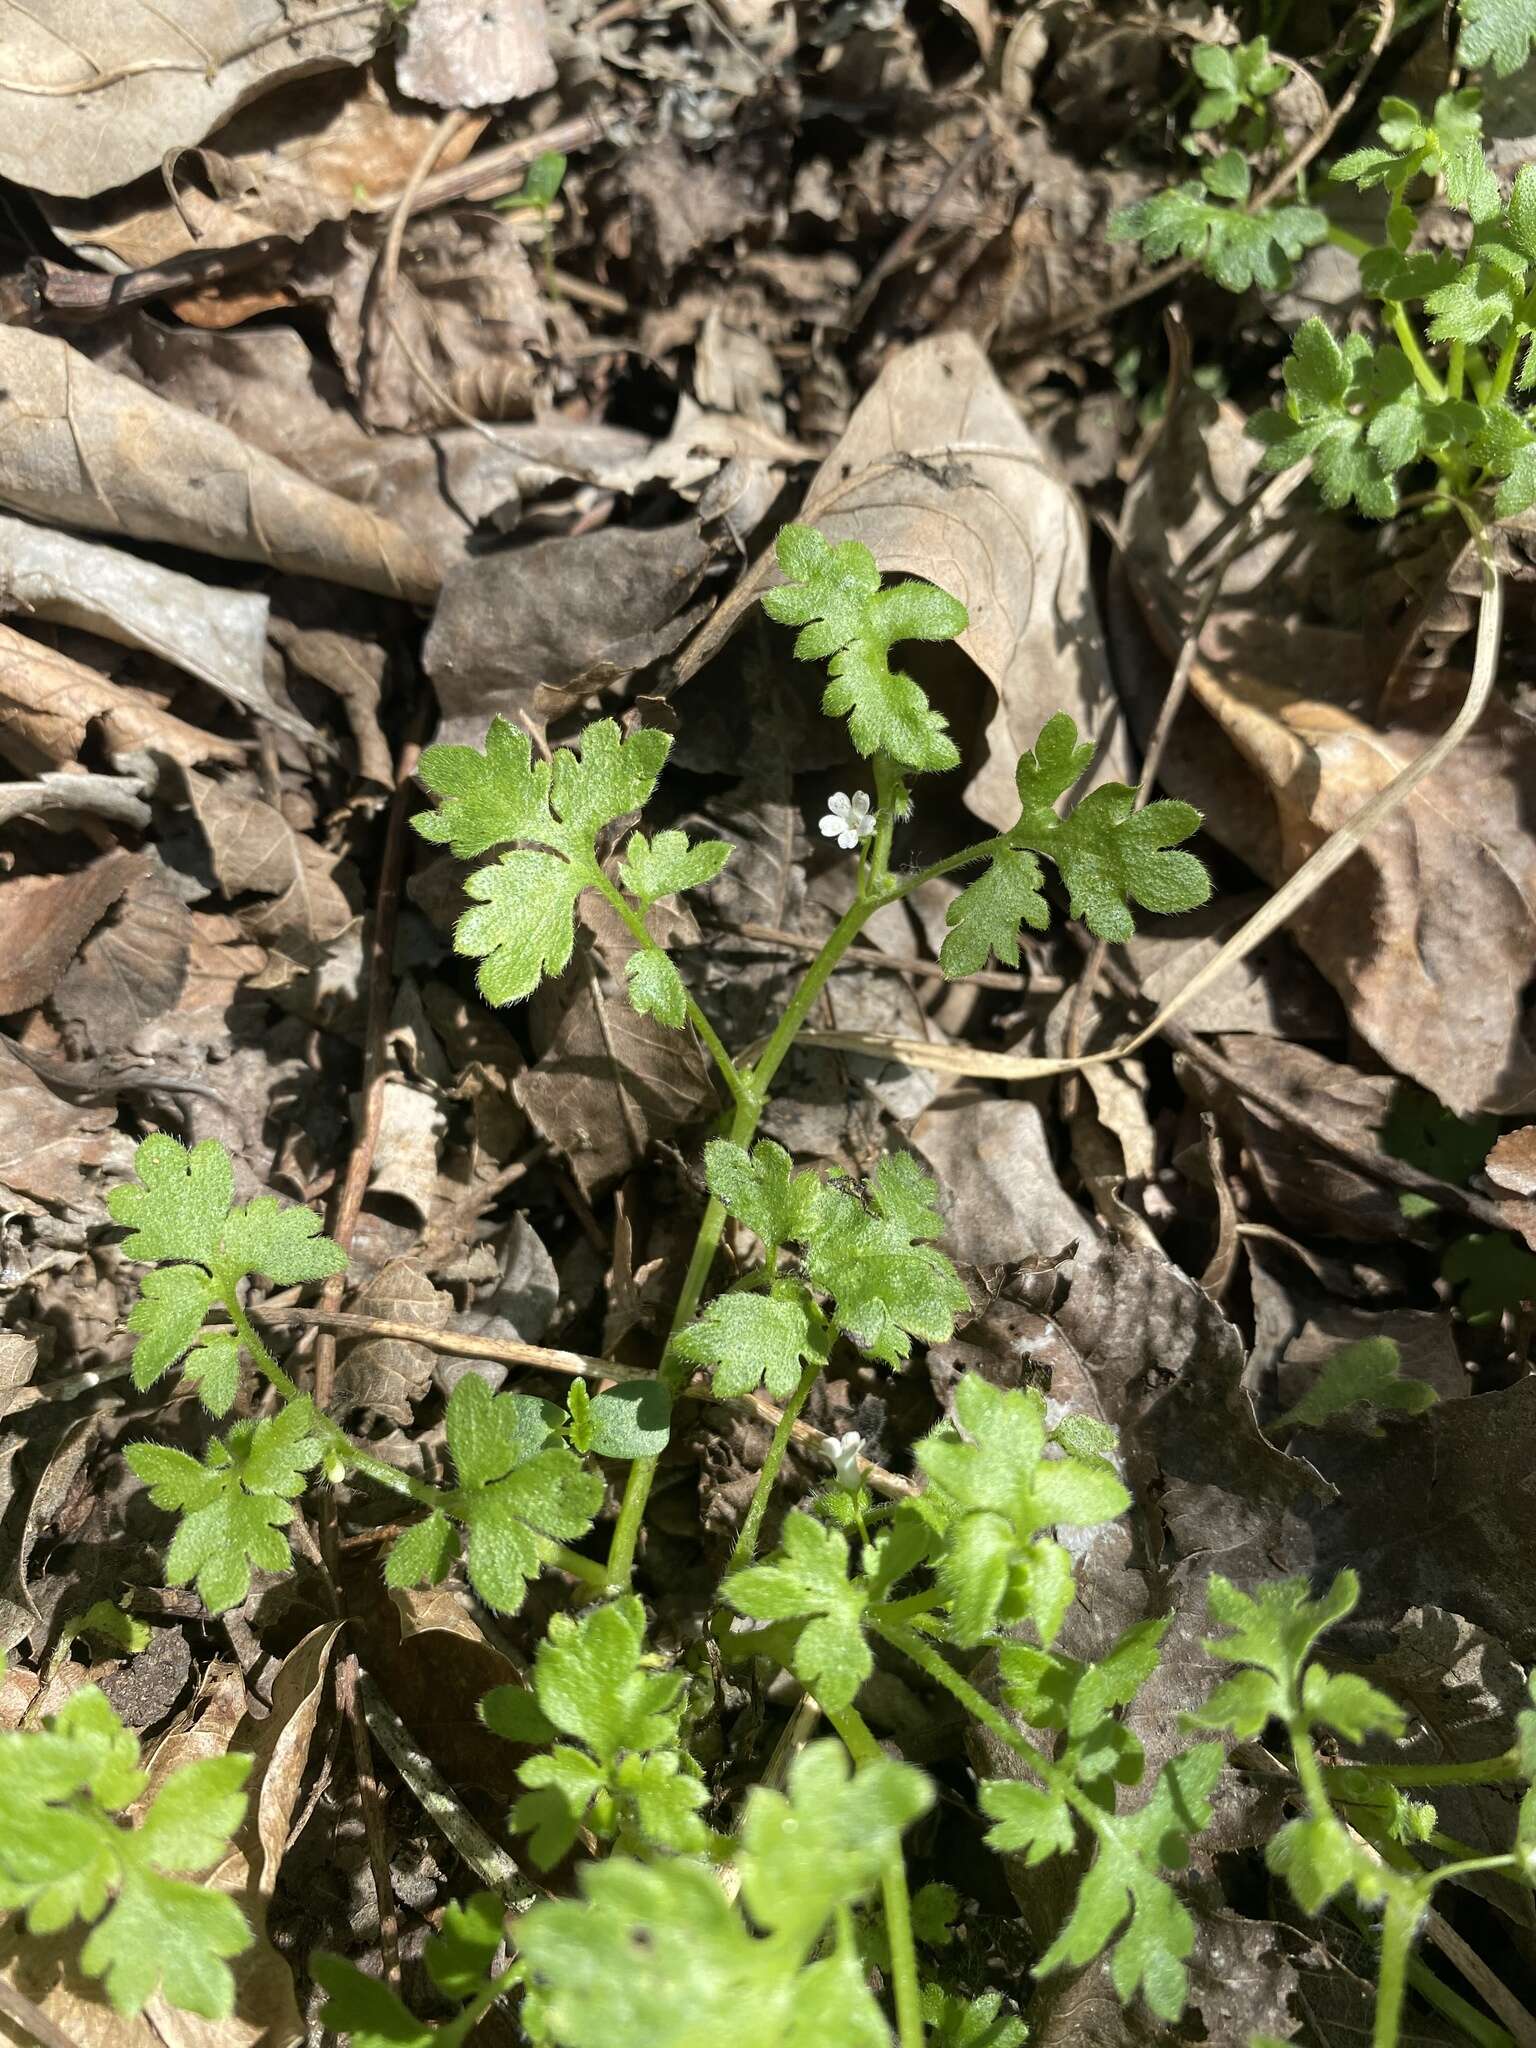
1427,406
694,1920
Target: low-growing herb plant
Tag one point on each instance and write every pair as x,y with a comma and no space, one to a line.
774,1924
1426,409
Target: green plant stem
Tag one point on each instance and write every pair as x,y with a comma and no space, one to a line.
894,1895
460,2029
1408,342
746,1542
587,1569
634,923
259,1355
1489,1771
1456,370
1477,2027
909,1609
1355,245
1397,1931
1504,368
887,783
751,1091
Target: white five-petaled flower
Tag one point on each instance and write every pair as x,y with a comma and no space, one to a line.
848,819
843,1454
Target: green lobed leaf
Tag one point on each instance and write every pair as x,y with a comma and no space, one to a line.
362,2011
985,918
751,1339
459,1956
807,1580
65,1854
888,1286
668,865
955,2020
521,923
656,988
235,1505
1366,1374
1496,33
655,1953
834,595
763,1191
1236,249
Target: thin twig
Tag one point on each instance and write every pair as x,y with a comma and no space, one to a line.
904,244
46,2032
349,1204
570,1364
493,167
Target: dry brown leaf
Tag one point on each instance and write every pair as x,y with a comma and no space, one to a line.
1512,1162
82,446
611,1083
18,1362
462,53
132,971
94,92
996,528
217,635
464,305
45,919
47,1144
279,1748
254,848
48,704
1429,934
18,1611
589,610
387,1374
311,152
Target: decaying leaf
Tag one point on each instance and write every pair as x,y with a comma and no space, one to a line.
254,848
216,635
133,969
46,917
48,704
589,610
611,1082
316,150
82,446
92,96
461,53
49,1146
388,1374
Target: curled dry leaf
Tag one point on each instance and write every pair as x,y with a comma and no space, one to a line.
461,53
995,528
48,704
217,635
47,1144
311,152
612,1082
133,969
91,108
45,918
118,797
388,1374
255,850
83,446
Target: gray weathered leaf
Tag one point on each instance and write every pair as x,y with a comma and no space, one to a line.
217,635
461,53
83,446
94,92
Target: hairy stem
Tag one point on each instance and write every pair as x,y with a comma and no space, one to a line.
894,1895
1408,342
1504,368
1397,1932
252,1345
746,1542
634,923
1488,1771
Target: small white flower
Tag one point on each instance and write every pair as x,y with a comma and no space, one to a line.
842,1452
848,819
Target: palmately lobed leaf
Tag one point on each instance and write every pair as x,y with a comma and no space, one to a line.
494,798
834,595
807,1580
179,1209
762,1190
984,918
665,866
64,1853
887,1285
750,1339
